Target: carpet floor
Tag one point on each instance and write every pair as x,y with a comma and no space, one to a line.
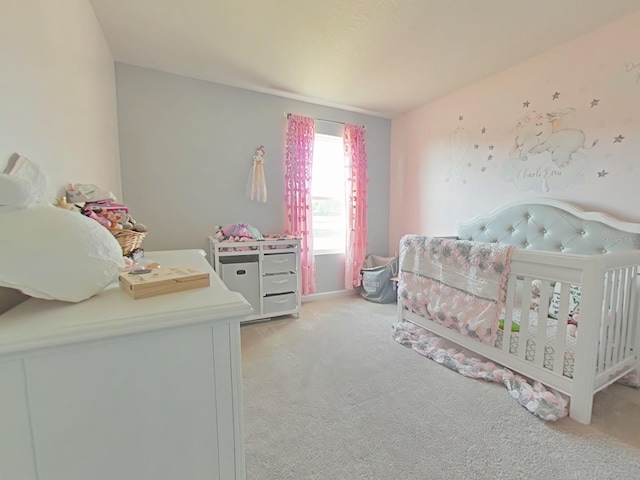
331,395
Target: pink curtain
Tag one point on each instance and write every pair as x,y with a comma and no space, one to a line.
356,191
299,159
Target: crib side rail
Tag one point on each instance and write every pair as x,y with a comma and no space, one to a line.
608,335
618,334
609,316
541,341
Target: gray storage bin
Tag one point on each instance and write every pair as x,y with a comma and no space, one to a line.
242,277
279,263
280,303
279,283
376,279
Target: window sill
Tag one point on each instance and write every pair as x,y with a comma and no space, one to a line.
328,252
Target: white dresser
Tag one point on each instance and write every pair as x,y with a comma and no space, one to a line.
119,389
265,272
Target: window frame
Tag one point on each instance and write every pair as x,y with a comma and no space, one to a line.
334,250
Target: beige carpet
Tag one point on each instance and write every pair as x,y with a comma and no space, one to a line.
330,396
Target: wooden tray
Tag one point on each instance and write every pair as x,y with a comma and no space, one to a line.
149,283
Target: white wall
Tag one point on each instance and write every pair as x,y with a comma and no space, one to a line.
57,91
187,148
439,177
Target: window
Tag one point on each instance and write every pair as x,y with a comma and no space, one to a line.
328,195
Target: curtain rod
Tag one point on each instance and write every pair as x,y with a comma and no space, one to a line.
330,121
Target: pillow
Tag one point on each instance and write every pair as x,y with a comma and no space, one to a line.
21,184
574,299
55,254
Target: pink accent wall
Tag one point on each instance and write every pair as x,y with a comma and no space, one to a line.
445,170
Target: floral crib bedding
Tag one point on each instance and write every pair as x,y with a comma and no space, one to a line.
456,283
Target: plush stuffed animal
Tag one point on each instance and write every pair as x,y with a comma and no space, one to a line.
62,203
572,323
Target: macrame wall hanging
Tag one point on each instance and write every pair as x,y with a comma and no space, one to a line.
257,184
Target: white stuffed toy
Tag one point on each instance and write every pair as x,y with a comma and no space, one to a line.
21,184
257,183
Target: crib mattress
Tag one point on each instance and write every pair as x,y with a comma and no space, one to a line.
549,349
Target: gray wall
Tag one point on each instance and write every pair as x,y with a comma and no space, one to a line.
186,147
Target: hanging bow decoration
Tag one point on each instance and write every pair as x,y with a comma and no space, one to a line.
257,184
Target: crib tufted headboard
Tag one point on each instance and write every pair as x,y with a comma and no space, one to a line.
552,225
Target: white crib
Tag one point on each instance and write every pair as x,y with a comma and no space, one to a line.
559,245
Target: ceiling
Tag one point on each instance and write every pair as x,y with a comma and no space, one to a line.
381,57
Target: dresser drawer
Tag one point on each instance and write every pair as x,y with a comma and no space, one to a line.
280,303
279,263
279,283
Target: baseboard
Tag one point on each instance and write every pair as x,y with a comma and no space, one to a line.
326,295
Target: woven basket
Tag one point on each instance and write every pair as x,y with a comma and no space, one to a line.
129,240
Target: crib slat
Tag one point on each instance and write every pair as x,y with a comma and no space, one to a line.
608,318
628,309
633,312
622,314
633,334
508,313
560,346
525,294
560,343
629,298
607,338
604,328
618,314
541,332
611,316
605,318
523,335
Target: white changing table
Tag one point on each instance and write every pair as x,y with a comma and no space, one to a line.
115,388
271,283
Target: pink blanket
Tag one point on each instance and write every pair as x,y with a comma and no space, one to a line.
456,283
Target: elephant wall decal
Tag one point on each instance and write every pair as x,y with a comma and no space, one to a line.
541,132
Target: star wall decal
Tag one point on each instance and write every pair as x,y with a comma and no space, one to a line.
526,104
476,146
483,169
469,164
602,174
483,130
556,95
460,118
594,102
490,147
618,139
490,157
